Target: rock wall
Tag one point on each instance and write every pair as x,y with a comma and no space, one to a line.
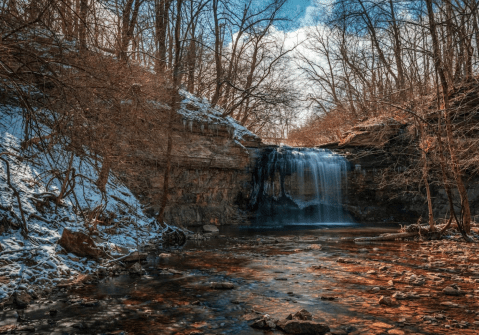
378,155
210,174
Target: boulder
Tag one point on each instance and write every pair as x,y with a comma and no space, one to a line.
315,247
303,327
222,286
79,244
386,301
136,269
303,315
449,290
400,296
22,299
209,228
266,322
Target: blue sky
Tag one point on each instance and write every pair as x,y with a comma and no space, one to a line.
296,10
297,6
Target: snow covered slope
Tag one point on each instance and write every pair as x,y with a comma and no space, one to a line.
36,261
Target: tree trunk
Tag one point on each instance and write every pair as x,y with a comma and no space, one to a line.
218,64
83,24
425,175
162,8
397,48
104,174
175,105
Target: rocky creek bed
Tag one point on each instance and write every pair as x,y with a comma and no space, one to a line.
224,285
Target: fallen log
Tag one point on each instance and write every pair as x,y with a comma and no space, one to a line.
386,237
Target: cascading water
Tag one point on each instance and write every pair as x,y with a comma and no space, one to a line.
299,186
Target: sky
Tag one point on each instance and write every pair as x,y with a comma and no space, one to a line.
296,7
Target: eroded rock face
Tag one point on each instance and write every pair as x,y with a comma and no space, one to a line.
209,181
375,133
79,244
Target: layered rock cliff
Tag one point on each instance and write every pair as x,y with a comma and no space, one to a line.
384,184
210,168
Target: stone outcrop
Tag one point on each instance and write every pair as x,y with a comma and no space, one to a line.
375,133
379,151
209,182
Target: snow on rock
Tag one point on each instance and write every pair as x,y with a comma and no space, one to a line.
39,261
198,109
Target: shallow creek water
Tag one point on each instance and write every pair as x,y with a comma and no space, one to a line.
275,273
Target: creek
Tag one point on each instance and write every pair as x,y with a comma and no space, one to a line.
277,273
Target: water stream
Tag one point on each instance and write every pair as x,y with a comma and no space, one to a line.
339,282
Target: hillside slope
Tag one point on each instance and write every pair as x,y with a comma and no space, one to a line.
39,262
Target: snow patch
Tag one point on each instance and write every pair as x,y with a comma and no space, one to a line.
199,109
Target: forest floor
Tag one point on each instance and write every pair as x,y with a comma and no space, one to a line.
339,282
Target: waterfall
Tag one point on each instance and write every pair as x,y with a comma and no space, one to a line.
299,186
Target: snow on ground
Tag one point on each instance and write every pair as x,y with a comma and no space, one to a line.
36,262
198,109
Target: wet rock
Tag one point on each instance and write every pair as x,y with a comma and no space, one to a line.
90,303
266,322
338,332
399,296
302,315
315,247
222,285
7,329
135,269
102,271
449,290
303,327
175,272
345,261
136,257
210,229
26,328
328,297
79,244
22,299
386,301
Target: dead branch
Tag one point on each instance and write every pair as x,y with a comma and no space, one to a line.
16,194
387,237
